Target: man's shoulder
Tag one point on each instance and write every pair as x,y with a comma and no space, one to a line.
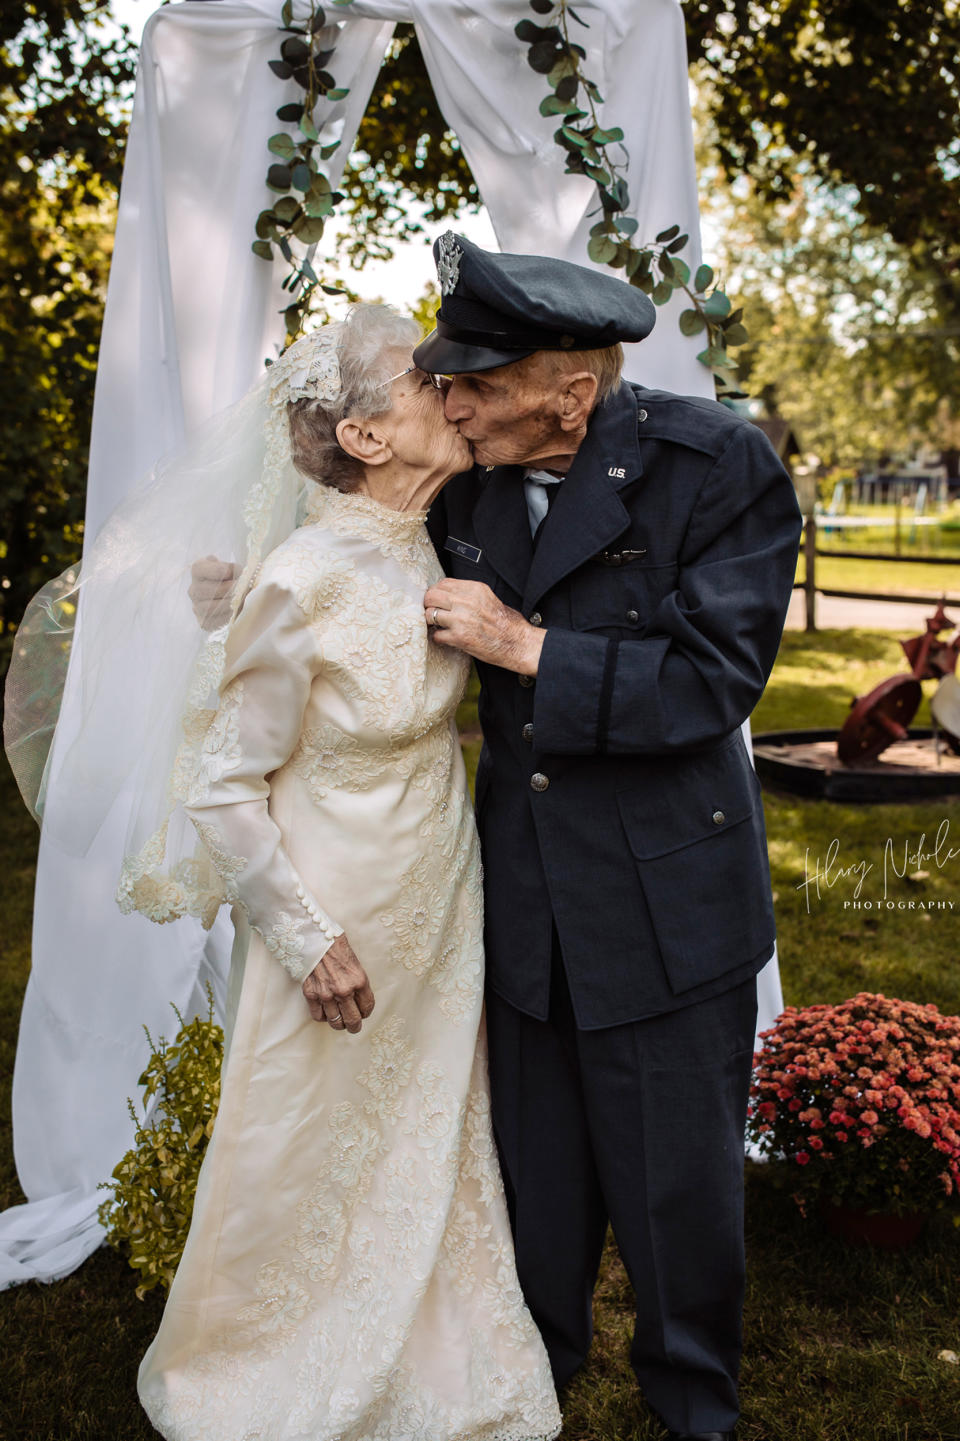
690,421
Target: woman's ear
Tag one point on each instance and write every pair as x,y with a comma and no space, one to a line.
577,399
364,441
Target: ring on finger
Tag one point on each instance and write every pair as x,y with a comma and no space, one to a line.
436,613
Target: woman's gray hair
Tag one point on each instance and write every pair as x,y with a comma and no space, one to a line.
369,336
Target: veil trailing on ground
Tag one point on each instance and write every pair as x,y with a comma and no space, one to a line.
147,671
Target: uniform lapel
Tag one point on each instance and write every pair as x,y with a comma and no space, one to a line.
502,525
588,513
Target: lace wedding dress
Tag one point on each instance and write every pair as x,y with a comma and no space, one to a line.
349,1272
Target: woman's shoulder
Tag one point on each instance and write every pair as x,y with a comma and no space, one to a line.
307,567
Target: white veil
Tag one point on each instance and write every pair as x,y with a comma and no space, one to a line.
146,671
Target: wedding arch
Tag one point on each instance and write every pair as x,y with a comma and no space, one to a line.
191,315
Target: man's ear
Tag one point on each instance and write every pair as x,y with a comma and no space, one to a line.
364,441
577,399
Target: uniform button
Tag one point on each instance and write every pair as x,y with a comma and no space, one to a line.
718,818
633,616
527,732
536,618
538,781
641,416
525,679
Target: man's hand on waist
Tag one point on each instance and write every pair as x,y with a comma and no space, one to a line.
466,614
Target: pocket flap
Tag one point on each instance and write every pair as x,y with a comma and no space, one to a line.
706,794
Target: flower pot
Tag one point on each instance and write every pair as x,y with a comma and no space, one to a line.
865,1228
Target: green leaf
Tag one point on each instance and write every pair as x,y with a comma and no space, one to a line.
287,209
565,66
301,177
607,137
702,278
575,137
308,126
717,305
579,20
286,13
320,185
670,234
735,334
662,293
281,69
295,50
677,245
278,177
666,265
318,206
553,105
531,34
637,259
318,22
308,229
601,249
626,224
567,87
541,7
714,356
266,221
593,92
643,280
290,112
339,94
327,150
262,248
691,322
681,271
281,145
542,57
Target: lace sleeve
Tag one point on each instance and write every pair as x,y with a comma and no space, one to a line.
272,657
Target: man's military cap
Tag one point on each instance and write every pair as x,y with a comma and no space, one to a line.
495,309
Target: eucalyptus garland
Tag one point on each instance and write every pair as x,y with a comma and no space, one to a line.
656,266
305,196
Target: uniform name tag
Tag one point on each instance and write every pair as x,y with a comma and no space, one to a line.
472,553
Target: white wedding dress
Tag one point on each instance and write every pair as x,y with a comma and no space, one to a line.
349,1273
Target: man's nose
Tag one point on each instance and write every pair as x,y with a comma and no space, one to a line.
455,406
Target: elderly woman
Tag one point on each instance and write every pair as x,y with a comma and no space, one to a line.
349,1270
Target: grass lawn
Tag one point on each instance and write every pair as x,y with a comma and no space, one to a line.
841,1344
909,577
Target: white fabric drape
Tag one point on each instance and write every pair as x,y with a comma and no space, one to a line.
191,315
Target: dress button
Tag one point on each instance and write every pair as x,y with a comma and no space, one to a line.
538,781
633,616
536,618
525,679
718,818
641,416
527,732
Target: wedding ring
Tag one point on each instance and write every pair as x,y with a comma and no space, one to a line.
436,612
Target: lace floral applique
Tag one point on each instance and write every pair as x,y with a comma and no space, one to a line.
229,867
387,1076
287,943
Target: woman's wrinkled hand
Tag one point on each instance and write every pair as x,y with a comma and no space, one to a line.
211,586
337,990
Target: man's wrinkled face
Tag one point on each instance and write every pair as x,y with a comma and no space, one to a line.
509,416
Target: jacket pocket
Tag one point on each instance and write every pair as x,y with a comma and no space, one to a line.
619,601
699,844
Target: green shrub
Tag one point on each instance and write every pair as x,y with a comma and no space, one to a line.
148,1215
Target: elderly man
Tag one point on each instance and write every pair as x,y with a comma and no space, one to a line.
620,562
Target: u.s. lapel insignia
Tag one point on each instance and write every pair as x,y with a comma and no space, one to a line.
449,255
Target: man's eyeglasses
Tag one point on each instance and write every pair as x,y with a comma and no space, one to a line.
439,382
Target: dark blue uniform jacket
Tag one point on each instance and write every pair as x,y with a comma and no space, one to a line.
662,574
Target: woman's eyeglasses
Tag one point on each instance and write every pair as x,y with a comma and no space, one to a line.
439,382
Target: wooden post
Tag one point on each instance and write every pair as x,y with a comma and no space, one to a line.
810,579
898,491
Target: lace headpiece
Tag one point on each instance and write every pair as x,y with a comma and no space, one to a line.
309,369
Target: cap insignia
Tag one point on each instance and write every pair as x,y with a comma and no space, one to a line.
449,255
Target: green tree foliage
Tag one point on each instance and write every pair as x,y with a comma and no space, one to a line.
866,94
62,127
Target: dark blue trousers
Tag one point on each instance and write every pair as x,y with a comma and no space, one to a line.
640,1125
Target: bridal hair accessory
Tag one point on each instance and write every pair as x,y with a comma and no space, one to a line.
309,369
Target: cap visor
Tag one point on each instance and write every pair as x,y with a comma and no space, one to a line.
441,356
